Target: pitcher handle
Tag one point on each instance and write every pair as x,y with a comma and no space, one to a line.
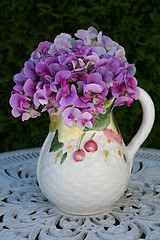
146,125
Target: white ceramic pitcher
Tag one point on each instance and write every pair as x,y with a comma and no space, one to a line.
90,183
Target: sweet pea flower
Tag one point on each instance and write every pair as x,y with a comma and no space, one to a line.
42,69
122,100
85,119
131,86
100,51
62,77
82,102
107,76
131,69
21,106
29,87
97,106
19,79
43,47
87,36
118,90
82,51
30,114
74,73
42,95
70,115
94,83
66,96
61,44
93,58
29,70
50,107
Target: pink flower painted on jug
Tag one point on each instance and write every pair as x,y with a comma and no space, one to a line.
112,136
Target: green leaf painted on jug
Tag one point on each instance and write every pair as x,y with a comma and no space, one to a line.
124,156
64,156
101,121
106,154
56,145
59,154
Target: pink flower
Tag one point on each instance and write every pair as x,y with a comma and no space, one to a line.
111,135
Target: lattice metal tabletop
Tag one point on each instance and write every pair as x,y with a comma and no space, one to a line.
26,214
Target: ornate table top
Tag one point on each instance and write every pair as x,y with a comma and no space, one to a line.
26,214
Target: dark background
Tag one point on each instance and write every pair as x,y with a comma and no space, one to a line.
23,24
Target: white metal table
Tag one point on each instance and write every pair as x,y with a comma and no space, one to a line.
26,214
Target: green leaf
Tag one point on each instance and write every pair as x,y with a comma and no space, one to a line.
64,156
59,154
124,156
56,145
101,121
106,154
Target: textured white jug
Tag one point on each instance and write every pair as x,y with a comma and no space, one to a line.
93,185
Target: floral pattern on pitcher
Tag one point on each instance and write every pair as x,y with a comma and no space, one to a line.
70,141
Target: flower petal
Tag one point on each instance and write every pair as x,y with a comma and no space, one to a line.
92,87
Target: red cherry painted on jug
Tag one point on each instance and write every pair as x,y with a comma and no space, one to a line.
91,146
79,155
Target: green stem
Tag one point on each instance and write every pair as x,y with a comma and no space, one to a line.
93,136
81,141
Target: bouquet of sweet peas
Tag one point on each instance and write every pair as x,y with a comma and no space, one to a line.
74,77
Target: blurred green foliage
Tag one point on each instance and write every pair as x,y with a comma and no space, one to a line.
23,24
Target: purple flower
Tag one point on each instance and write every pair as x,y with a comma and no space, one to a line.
19,103
94,83
92,87
131,86
29,87
74,77
82,102
50,107
43,47
65,96
42,95
29,70
30,114
103,62
21,106
35,57
122,100
93,58
61,44
120,53
66,59
80,64
87,36
100,51
62,77
82,51
85,119
107,76
131,69
70,115
118,90
42,69
19,79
